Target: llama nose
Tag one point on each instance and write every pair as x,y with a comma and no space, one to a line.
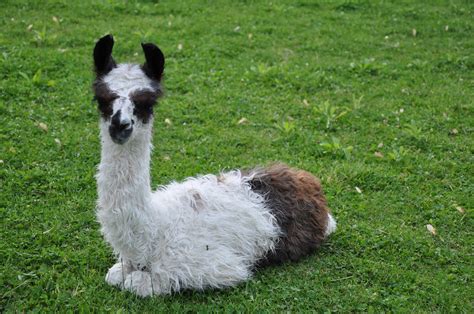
118,123
120,130
122,126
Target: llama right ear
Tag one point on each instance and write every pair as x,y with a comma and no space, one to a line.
103,61
155,61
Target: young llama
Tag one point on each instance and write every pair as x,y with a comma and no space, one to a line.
206,232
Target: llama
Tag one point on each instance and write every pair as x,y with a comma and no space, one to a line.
210,231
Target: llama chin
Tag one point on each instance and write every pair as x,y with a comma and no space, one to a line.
209,231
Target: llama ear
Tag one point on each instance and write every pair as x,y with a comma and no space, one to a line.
103,60
155,61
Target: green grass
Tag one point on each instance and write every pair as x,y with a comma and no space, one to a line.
345,89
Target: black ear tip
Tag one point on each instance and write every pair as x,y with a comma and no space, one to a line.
106,40
103,60
155,61
150,47
104,46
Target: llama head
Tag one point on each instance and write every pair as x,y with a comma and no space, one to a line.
126,93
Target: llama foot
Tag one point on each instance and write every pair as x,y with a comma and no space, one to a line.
117,274
139,282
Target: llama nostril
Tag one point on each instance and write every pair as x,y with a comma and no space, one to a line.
118,124
124,126
120,133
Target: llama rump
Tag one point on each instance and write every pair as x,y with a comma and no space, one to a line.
210,231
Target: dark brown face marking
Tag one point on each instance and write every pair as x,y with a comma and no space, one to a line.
144,100
297,201
105,98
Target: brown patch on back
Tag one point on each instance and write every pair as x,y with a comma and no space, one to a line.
297,201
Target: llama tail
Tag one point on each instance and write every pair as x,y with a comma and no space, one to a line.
331,227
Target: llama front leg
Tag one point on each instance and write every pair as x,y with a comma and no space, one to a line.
140,283
118,273
144,283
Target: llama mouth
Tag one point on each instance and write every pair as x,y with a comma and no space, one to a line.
120,136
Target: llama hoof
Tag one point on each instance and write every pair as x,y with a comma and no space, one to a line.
116,274
139,282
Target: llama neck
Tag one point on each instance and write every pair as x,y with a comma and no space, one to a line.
124,205
123,180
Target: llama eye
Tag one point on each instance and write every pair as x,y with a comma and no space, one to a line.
143,111
143,104
105,98
105,106
103,102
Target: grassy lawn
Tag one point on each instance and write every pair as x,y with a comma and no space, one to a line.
375,97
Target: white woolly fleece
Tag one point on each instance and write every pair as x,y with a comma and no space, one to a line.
204,232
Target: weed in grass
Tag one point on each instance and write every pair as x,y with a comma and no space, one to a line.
329,113
398,153
37,79
286,126
357,103
412,130
335,148
43,36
